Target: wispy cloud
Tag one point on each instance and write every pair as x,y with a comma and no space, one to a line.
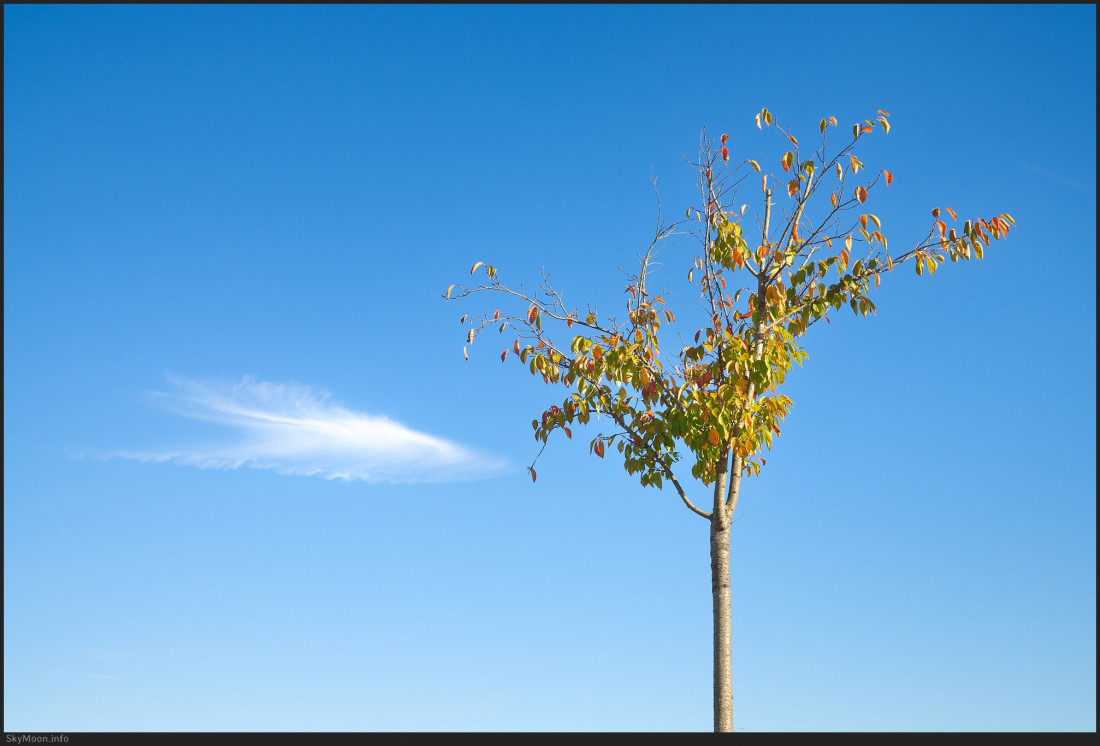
292,429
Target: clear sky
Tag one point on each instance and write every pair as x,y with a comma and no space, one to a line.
250,483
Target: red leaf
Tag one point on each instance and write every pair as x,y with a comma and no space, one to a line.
515,347
496,314
709,174
568,432
724,138
726,154
503,355
532,473
569,322
532,313
764,461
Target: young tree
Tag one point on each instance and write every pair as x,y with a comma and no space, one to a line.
715,403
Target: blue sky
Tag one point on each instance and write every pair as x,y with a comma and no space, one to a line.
250,482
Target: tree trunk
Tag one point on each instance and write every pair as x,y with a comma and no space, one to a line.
720,593
723,660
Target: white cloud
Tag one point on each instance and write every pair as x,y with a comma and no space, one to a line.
292,429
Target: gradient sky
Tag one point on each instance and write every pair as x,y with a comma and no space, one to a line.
251,484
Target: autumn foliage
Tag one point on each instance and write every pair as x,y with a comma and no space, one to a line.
715,403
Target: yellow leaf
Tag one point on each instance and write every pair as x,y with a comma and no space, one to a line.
448,295
474,268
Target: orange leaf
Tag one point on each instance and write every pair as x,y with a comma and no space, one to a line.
712,437
496,314
764,185
568,432
953,215
503,355
935,212
515,347
792,187
532,473
569,322
863,220
889,177
599,448
724,138
861,194
532,313
942,226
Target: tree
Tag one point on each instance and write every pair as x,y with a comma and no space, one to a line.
717,400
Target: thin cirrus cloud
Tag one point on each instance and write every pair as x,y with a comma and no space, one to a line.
293,429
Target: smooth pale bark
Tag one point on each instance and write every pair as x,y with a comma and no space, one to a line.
720,592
